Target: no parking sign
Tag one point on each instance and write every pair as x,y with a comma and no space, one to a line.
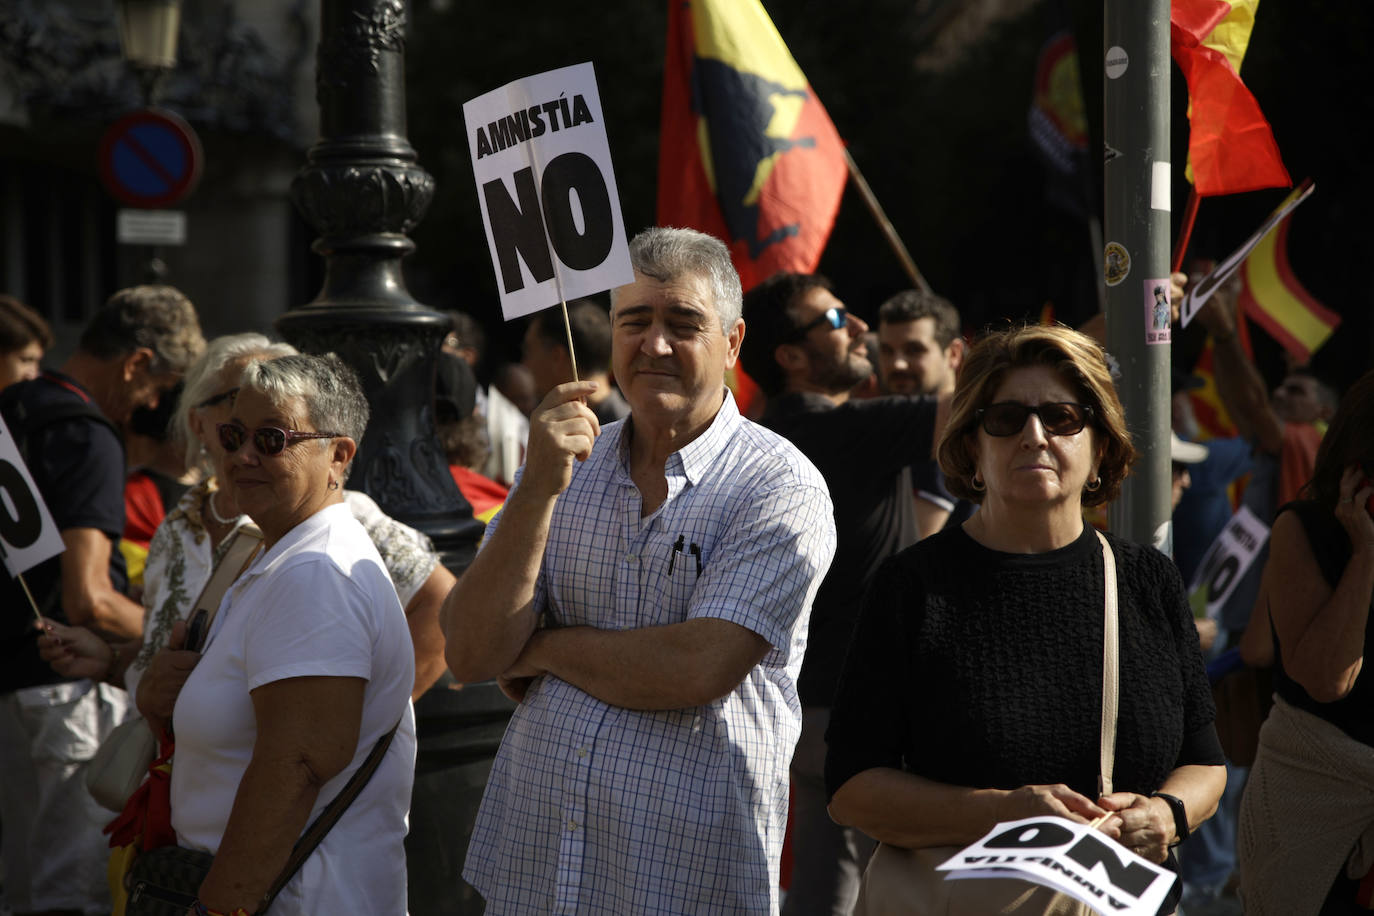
28,535
150,159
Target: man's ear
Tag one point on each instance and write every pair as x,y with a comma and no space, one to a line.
733,340
791,357
956,353
136,360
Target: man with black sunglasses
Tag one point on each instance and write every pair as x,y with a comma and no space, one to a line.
65,422
806,351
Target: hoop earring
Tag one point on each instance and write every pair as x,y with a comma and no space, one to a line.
333,484
977,485
1093,485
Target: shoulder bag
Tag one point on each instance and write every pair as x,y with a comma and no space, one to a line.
165,881
121,762
899,881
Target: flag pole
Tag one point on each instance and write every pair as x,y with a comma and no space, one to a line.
567,328
1185,230
885,224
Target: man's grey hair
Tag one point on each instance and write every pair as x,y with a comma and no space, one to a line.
202,380
667,254
333,396
160,318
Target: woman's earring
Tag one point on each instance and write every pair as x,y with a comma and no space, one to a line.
1093,485
333,484
978,485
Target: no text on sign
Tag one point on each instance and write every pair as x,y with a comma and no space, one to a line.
150,158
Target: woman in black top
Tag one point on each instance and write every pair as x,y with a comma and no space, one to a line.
973,688
1309,802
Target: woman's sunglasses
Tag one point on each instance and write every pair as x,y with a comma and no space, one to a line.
268,440
835,316
1007,418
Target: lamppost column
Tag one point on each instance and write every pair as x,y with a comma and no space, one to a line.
363,191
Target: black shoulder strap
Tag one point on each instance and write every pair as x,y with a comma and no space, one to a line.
23,422
328,818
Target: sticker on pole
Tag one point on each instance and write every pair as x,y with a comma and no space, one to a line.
1157,311
547,190
1072,858
28,535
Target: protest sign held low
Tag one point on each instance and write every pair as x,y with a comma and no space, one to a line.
28,535
1069,857
547,190
1227,560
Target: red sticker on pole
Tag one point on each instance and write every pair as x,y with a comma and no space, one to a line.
150,159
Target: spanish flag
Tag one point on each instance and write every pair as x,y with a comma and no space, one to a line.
747,152
1272,297
1231,147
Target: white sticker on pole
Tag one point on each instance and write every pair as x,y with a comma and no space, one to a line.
1115,63
1073,858
1161,184
547,190
28,535
1226,561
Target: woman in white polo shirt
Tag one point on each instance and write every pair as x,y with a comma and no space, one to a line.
308,663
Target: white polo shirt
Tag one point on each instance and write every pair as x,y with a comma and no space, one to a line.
319,603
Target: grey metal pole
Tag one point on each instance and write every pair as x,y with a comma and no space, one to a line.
1136,251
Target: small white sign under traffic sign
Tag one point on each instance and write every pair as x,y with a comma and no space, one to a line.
150,227
1073,858
28,535
547,190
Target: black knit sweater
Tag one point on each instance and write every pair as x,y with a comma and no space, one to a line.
984,669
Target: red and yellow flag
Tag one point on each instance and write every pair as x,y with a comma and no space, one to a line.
746,151
1272,296
1231,147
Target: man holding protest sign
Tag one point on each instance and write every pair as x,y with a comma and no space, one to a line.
645,593
66,422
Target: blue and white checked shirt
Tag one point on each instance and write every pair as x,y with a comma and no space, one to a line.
592,808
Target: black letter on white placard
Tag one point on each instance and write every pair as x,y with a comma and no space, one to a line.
23,528
1031,836
518,229
1131,877
577,172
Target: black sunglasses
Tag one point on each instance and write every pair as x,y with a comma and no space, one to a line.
836,316
268,440
1007,418
218,398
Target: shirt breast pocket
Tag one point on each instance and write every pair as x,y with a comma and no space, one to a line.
672,579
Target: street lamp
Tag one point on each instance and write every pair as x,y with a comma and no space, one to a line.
148,39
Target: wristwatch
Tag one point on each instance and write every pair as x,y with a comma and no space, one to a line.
1180,815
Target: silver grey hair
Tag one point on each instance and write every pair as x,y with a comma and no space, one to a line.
665,254
333,396
202,378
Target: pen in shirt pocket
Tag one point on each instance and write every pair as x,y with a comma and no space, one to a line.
677,552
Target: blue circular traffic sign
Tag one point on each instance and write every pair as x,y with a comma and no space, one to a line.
150,158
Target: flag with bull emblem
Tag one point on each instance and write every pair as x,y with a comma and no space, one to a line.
746,152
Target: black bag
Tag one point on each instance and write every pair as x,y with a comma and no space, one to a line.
164,881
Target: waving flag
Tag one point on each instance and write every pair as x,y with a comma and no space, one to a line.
1230,145
1273,297
747,152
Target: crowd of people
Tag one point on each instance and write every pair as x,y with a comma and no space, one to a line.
875,622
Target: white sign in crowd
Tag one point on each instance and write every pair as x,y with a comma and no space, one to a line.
547,190
1073,858
28,535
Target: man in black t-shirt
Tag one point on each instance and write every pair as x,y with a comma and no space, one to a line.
920,350
65,423
806,352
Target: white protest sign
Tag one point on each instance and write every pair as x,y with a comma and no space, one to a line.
28,535
1226,561
1073,858
1204,288
547,190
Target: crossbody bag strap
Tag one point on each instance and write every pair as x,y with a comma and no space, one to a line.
315,833
1111,669
243,546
